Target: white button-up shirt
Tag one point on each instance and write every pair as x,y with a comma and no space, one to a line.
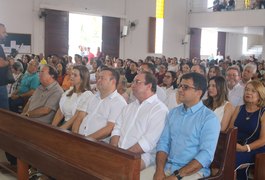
100,111
235,95
143,124
171,100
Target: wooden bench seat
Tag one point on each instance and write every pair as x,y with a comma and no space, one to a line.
62,154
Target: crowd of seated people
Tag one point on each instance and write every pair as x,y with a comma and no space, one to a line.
141,105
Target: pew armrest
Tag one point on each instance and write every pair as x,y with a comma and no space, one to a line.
259,172
223,164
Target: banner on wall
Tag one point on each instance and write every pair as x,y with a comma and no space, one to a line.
19,42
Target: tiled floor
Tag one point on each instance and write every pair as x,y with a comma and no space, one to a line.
5,176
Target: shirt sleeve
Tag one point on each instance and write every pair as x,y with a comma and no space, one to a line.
208,141
118,124
156,124
164,141
116,109
35,82
62,100
53,100
85,100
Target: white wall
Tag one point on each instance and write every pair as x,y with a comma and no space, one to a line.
175,28
234,44
135,44
228,19
22,17
263,44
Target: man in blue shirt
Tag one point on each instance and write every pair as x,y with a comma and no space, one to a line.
28,85
187,145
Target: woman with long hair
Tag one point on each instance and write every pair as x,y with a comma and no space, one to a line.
76,97
213,71
250,121
218,100
169,85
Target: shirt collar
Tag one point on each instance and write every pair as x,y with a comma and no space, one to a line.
194,108
111,96
50,86
149,100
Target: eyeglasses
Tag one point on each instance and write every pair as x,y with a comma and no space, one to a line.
136,82
185,87
167,76
232,75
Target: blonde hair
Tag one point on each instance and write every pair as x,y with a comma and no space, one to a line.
259,87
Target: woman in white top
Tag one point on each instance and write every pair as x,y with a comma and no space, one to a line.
77,96
169,85
218,100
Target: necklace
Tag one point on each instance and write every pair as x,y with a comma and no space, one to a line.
248,115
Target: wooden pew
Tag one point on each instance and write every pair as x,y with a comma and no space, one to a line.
223,165
259,170
61,154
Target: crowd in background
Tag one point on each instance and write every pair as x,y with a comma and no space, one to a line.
231,84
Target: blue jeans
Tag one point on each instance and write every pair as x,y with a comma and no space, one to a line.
3,98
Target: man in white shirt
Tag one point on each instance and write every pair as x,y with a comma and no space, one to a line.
104,108
141,123
148,67
236,91
248,72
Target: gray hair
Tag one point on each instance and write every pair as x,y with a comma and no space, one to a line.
18,66
252,66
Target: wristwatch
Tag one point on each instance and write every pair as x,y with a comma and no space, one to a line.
176,173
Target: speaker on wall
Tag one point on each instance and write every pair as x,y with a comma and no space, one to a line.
125,31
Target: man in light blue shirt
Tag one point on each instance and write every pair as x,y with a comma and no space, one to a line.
187,145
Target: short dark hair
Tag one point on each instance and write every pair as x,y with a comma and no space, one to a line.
199,81
114,73
150,66
150,79
133,62
52,71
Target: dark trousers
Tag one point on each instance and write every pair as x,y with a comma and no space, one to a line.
11,159
3,97
16,105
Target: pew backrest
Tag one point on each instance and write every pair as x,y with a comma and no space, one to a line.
223,165
62,154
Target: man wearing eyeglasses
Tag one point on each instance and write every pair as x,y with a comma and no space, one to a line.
148,67
141,123
187,145
235,90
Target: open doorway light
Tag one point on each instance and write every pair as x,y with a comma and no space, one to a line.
86,31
